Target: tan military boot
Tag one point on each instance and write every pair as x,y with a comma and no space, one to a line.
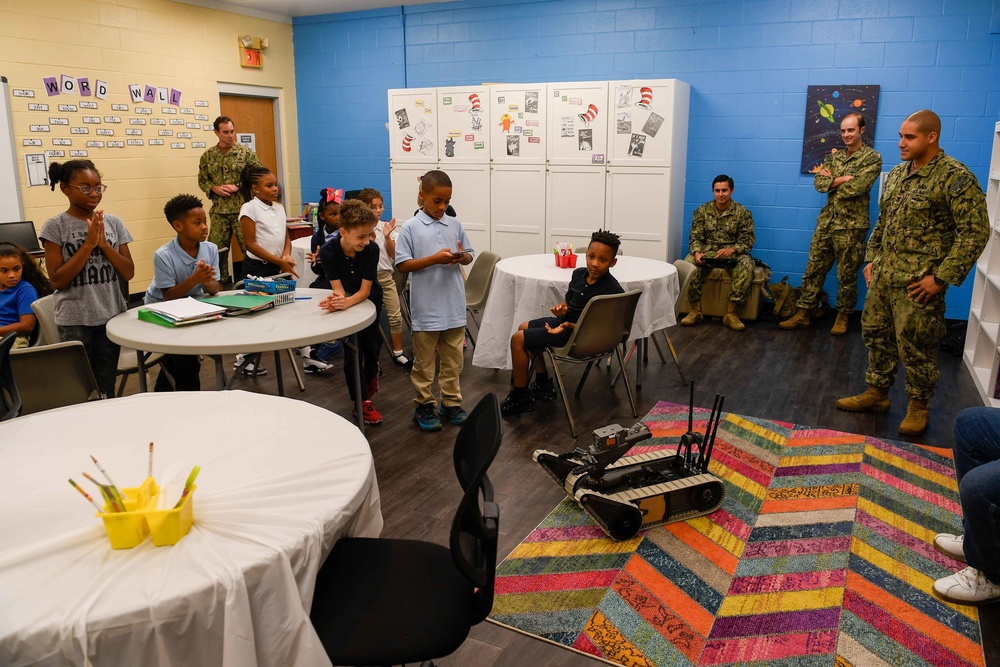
732,320
694,315
840,326
915,421
800,320
874,399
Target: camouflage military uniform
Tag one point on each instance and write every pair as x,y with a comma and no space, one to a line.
931,222
711,231
841,227
218,168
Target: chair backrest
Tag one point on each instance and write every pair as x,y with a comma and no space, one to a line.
604,324
10,399
53,376
475,530
685,272
400,279
45,313
477,287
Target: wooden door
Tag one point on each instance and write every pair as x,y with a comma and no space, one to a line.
253,114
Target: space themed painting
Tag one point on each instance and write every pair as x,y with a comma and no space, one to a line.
826,106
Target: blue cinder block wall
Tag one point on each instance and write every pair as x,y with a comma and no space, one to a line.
748,64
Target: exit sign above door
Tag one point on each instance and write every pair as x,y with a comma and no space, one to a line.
251,57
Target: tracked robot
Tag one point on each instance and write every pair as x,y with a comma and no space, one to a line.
625,495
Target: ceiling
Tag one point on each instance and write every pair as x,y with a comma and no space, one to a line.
285,10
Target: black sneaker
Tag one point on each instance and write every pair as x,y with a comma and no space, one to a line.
513,405
543,391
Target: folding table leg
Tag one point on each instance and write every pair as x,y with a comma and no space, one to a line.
351,343
221,382
277,372
140,362
298,370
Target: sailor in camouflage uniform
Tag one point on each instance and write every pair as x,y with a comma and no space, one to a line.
721,229
847,178
219,176
931,229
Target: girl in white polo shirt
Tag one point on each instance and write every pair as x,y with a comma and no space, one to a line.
262,221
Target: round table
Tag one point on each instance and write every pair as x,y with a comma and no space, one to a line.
526,287
281,481
292,325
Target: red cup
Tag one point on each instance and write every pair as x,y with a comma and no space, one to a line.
572,260
563,261
556,255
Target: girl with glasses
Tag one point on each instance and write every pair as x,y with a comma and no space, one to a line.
86,254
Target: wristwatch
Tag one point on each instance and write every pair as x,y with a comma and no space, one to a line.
939,282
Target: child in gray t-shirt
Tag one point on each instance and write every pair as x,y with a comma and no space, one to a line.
86,251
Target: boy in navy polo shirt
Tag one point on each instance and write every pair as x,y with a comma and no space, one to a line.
188,265
350,261
532,337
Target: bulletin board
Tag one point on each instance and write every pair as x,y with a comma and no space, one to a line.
10,187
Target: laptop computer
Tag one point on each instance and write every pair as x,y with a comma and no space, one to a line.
22,233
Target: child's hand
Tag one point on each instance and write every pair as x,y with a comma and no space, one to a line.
333,303
559,310
95,231
389,228
445,256
312,257
287,265
204,272
565,326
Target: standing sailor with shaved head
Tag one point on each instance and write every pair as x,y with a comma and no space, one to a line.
931,228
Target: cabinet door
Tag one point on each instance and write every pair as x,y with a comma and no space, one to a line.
404,181
517,129
412,125
641,126
574,205
638,210
463,125
578,123
517,209
470,197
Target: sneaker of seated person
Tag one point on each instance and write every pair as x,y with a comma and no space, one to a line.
543,390
251,368
950,545
327,351
968,586
517,401
313,364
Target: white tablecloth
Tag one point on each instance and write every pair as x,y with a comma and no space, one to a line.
526,287
280,482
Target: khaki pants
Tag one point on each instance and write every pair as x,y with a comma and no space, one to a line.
452,361
390,301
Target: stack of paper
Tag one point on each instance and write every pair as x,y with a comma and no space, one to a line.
183,311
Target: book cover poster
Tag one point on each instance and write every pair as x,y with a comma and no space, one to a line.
826,106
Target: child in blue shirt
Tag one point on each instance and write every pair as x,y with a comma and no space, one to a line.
430,248
187,265
21,284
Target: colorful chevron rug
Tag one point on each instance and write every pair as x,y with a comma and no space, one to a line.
821,554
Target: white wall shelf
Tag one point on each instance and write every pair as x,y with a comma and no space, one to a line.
982,355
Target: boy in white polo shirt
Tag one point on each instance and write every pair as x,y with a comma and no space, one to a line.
430,248
187,265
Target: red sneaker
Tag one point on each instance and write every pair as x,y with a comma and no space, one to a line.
372,416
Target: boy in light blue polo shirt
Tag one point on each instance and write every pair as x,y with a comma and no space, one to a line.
430,247
187,265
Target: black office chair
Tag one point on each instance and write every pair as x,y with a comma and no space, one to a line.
389,601
10,399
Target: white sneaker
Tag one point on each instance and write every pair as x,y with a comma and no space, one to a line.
951,545
310,365
250,368
968,586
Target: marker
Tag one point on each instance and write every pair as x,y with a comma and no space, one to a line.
86,495
188,484
302,298
149,470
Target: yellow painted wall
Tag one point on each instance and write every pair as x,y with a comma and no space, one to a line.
155,42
